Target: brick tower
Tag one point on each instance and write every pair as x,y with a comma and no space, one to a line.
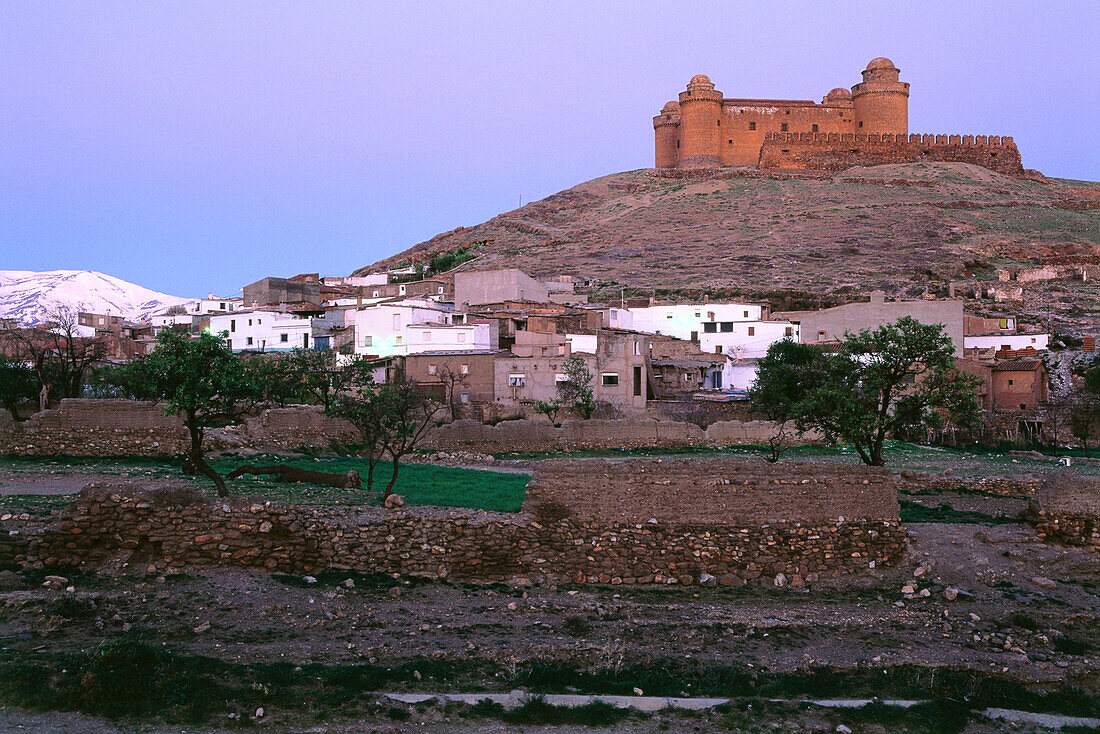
881,100
666,128
700,124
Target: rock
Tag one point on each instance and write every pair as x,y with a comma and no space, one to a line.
204,627
729,579
259,713
1043,582
309,579
705,579
638,691
349,583
394,501
909,588
841,729
10,580
395,591
922,570
55,582
780,580
950,593
975,617
925,593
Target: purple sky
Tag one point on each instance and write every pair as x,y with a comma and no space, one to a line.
192,147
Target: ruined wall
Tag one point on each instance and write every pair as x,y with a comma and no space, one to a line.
589,542
134,428
837,152
1067,510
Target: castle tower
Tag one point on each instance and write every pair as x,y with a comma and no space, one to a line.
881,100
700,124
666,132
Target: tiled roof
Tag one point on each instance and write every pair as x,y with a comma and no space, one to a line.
1017,365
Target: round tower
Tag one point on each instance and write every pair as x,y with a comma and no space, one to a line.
666,132
881,101
700,124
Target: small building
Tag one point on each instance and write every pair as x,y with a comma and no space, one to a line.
684,321
380,330
274,331
745,339
434,337
266,292
831,324
1019,384
494,286
471,374
1005,342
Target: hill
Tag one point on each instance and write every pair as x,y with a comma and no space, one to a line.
28,296
905,229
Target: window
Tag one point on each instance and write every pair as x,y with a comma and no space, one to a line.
368,341
668,315
709,327
638,348
284,337
821,334
1023,407
517,380
697,314
440,291
746,314
695,336
464,369
464,397
249,341
752,331
401,290
229,344
752,126
222,306
1010,383
731,141
432,369
250,322
727,326
789,331
710,315
719,123
232,324
783,127
717,348
813,128
637,381
609,379
374,294
397,340
861,123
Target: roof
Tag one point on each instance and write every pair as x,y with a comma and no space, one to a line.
456,353
1017,365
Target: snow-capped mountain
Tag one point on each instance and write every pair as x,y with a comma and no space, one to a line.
28,296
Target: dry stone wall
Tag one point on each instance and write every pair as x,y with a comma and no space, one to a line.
1067,510
596,538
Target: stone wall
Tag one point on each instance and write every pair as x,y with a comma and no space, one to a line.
584,524
1067,510
837,152
538,434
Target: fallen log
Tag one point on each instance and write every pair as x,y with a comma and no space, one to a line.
284,473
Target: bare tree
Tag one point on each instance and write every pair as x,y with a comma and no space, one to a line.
59,355
450,377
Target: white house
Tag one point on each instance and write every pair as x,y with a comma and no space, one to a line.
435,337
684,321
380,331
1007,341
266,331
744,339
212,305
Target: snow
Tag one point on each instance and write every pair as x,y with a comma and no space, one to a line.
28,296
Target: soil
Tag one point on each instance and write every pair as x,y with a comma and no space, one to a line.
1003,621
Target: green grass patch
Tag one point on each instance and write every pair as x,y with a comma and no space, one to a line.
945,513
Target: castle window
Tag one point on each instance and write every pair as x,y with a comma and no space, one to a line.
752,126
861,123
813,128
719,123
731,143
677,143
788,112
783,127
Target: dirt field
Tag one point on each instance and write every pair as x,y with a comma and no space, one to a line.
1022,632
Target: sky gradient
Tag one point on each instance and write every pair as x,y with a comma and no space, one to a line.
193,147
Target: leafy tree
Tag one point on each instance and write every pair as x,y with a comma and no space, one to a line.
549,408
17,384
391,418
784,376
575,391
200,380
882,381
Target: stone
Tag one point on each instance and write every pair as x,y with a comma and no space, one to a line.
204,627
309,579
729,579
922,570
1044,583
780,580
349,583
950,593
705,579
841,729
909,588
395,591
394,501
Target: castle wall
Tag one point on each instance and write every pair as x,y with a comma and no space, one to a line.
832,152
740,144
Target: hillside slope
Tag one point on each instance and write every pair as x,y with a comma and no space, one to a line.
899,228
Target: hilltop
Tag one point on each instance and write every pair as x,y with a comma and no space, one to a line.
907,229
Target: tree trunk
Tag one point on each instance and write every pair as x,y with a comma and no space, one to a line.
393,479
371,463
44,397
284,473
197,459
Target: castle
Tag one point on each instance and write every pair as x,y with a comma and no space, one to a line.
868,125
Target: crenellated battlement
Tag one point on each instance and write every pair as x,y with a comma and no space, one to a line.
983,141
838,151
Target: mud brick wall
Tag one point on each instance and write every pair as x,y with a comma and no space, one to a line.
97,428
840,151
293,429
541,435
183,529
1067,510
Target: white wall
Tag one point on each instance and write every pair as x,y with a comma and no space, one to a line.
264,331
380,330
681,320
739,343
447,338
581,343
1012,341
